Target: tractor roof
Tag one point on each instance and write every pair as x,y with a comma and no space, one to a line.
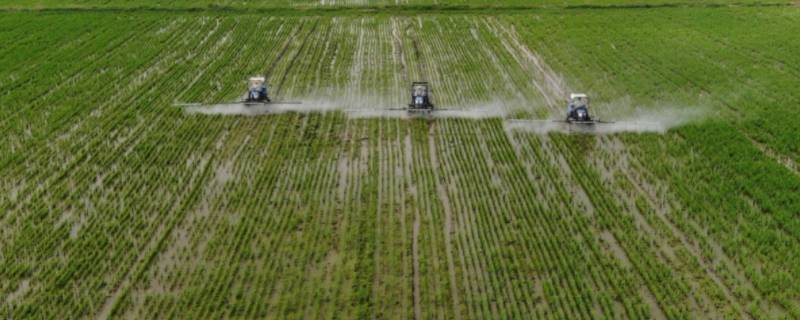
259,78
577,95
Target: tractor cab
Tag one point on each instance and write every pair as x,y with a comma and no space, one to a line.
420,97
578,108
257,90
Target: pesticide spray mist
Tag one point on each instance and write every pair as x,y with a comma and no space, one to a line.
240,109
363,107
493,109
623,116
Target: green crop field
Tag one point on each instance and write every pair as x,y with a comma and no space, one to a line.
249,5
116,203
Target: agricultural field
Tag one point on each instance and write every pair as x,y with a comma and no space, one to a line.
249,5
115,203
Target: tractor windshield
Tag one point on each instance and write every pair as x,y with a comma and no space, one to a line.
578,102
255,84
420,91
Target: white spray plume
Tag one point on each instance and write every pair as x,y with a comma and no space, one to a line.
361,107
624,115
241,109
652,120
494,109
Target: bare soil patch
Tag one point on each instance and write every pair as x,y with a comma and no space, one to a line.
22,289
786,161
614,247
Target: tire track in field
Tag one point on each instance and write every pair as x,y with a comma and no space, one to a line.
399,56
441,192
346,169
283,178
321,170
400,78
329,203
499,67
786,161
441,189
278,178
380,150
408,162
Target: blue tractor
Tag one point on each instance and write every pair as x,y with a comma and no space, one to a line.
578,109
420,98
257,91
257,95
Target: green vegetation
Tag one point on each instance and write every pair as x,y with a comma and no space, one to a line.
422,5
117,204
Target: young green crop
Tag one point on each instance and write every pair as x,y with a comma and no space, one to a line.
117,204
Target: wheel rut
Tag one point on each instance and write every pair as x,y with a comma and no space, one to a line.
448,219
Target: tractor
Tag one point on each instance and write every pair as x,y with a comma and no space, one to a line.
420,98
578,109
257,91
